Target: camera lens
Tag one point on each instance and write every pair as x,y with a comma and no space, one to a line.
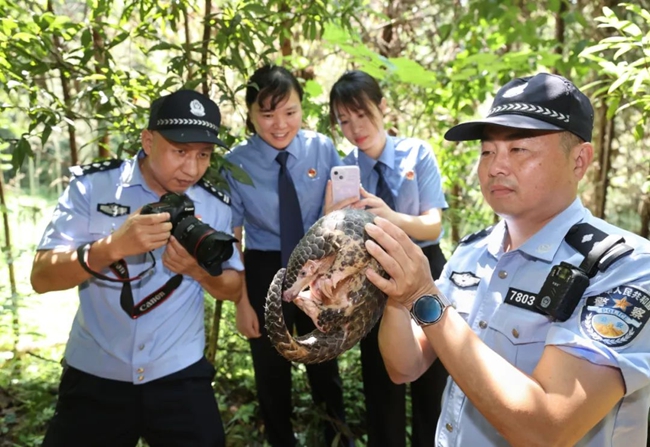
336,172
209,246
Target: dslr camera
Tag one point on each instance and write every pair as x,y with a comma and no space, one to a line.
209,247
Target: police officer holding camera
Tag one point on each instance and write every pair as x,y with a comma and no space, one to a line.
134,365
541,320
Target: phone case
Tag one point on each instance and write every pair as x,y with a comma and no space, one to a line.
345,182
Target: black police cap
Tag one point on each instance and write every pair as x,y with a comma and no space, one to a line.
544,101
186,116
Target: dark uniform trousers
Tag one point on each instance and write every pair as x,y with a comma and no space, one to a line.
273,372
179,410
385,401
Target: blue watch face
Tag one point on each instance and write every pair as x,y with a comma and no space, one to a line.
428,309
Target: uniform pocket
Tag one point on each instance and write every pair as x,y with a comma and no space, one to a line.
520,335
103,225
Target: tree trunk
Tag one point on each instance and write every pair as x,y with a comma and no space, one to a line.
605,138
213,338
204,47
100,60
188,42
15,321
65,89
644,213
559,30
454,220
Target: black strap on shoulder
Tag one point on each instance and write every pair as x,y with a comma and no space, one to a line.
209,187
478,235
97,166
599,248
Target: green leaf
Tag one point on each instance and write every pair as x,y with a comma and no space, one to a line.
165,46
25,37
639,131
238,173
22,150
613,106
94,77
46,134
313,88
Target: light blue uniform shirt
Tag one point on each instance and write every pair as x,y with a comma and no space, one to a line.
411,173
257,207
104,340
480,276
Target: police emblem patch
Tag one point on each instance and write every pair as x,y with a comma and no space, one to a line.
464,279
196,108
113,209
616,317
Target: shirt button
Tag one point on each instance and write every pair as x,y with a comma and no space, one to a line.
515,333
140,370
503,274
141,347
482,324
140,378
449,427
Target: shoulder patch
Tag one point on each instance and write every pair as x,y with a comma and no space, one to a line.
464,279
97,166
209,187
616,317
478,235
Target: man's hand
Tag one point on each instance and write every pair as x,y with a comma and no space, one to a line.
403,260
140,234
247,323
178,260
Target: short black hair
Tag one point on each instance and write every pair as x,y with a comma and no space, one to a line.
354,90
270,81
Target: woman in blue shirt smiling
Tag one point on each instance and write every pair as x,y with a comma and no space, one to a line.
273,97
401,182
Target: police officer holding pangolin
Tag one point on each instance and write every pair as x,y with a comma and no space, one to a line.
542,320
134,360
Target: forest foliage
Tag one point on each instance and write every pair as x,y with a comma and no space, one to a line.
77,79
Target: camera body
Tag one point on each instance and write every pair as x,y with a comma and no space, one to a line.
562,290
208,246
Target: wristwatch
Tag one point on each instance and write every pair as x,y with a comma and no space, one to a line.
428,309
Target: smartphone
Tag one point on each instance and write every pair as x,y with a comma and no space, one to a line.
346,181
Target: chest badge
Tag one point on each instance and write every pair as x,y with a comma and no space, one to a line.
616,317
464,279
312,173
113,209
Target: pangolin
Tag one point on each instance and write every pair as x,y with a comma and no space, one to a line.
325,277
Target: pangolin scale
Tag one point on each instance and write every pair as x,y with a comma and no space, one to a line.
325,278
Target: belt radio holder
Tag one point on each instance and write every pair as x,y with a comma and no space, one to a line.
566,284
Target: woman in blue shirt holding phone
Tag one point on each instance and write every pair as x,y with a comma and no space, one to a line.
400,182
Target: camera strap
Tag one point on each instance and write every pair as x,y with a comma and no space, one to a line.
121,271
599,248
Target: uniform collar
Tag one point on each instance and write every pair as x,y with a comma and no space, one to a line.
387,157
131,174
268,152
546,242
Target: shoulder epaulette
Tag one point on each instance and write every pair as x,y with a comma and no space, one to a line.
96,166
209,187
479,234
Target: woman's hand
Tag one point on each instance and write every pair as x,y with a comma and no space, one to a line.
376,206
